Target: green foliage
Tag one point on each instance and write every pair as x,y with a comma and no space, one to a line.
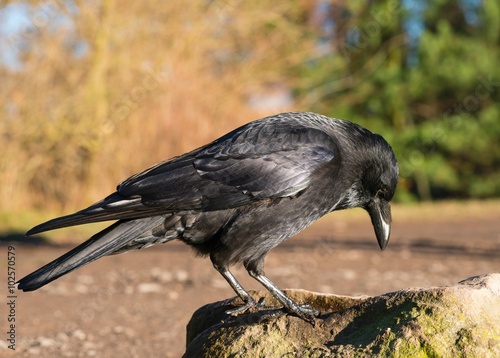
437,101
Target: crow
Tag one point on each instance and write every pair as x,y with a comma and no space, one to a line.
240,196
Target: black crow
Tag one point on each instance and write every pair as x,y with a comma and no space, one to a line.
240,196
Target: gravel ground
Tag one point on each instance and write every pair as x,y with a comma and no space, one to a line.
138,304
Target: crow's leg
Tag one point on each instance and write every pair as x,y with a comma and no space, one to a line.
255,269
306,312
249,302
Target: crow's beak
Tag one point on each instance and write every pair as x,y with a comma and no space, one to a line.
380,213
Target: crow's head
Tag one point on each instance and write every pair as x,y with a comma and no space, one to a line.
378,184
373,172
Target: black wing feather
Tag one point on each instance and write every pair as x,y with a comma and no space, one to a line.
267,161
101,244
269,158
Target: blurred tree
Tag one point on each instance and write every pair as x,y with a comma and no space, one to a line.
455,102
118,86
437,105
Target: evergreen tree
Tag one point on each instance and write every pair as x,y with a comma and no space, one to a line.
434,95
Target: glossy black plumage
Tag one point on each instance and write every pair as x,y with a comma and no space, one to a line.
241,195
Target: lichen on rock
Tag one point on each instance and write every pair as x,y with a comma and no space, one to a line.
454,321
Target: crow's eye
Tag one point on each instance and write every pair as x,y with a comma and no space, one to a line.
382,193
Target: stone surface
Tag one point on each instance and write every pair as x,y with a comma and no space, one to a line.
456,321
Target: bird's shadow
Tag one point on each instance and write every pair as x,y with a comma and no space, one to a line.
18,237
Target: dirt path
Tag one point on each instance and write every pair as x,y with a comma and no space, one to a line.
138,304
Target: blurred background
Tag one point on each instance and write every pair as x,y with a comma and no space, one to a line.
94,92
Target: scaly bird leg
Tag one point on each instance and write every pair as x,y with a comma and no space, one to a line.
306,312
249,302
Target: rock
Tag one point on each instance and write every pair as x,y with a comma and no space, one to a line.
457,321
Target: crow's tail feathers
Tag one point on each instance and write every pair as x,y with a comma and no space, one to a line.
106,242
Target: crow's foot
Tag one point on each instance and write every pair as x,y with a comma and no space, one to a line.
305,312
250,306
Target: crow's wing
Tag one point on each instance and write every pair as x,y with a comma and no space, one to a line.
263,159
267,161
131,200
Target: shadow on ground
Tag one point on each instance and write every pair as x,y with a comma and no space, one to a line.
18,237
420,245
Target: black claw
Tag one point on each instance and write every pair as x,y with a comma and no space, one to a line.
311,310
250,305
305,312
311,320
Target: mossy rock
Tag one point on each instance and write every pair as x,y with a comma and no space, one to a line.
456,321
